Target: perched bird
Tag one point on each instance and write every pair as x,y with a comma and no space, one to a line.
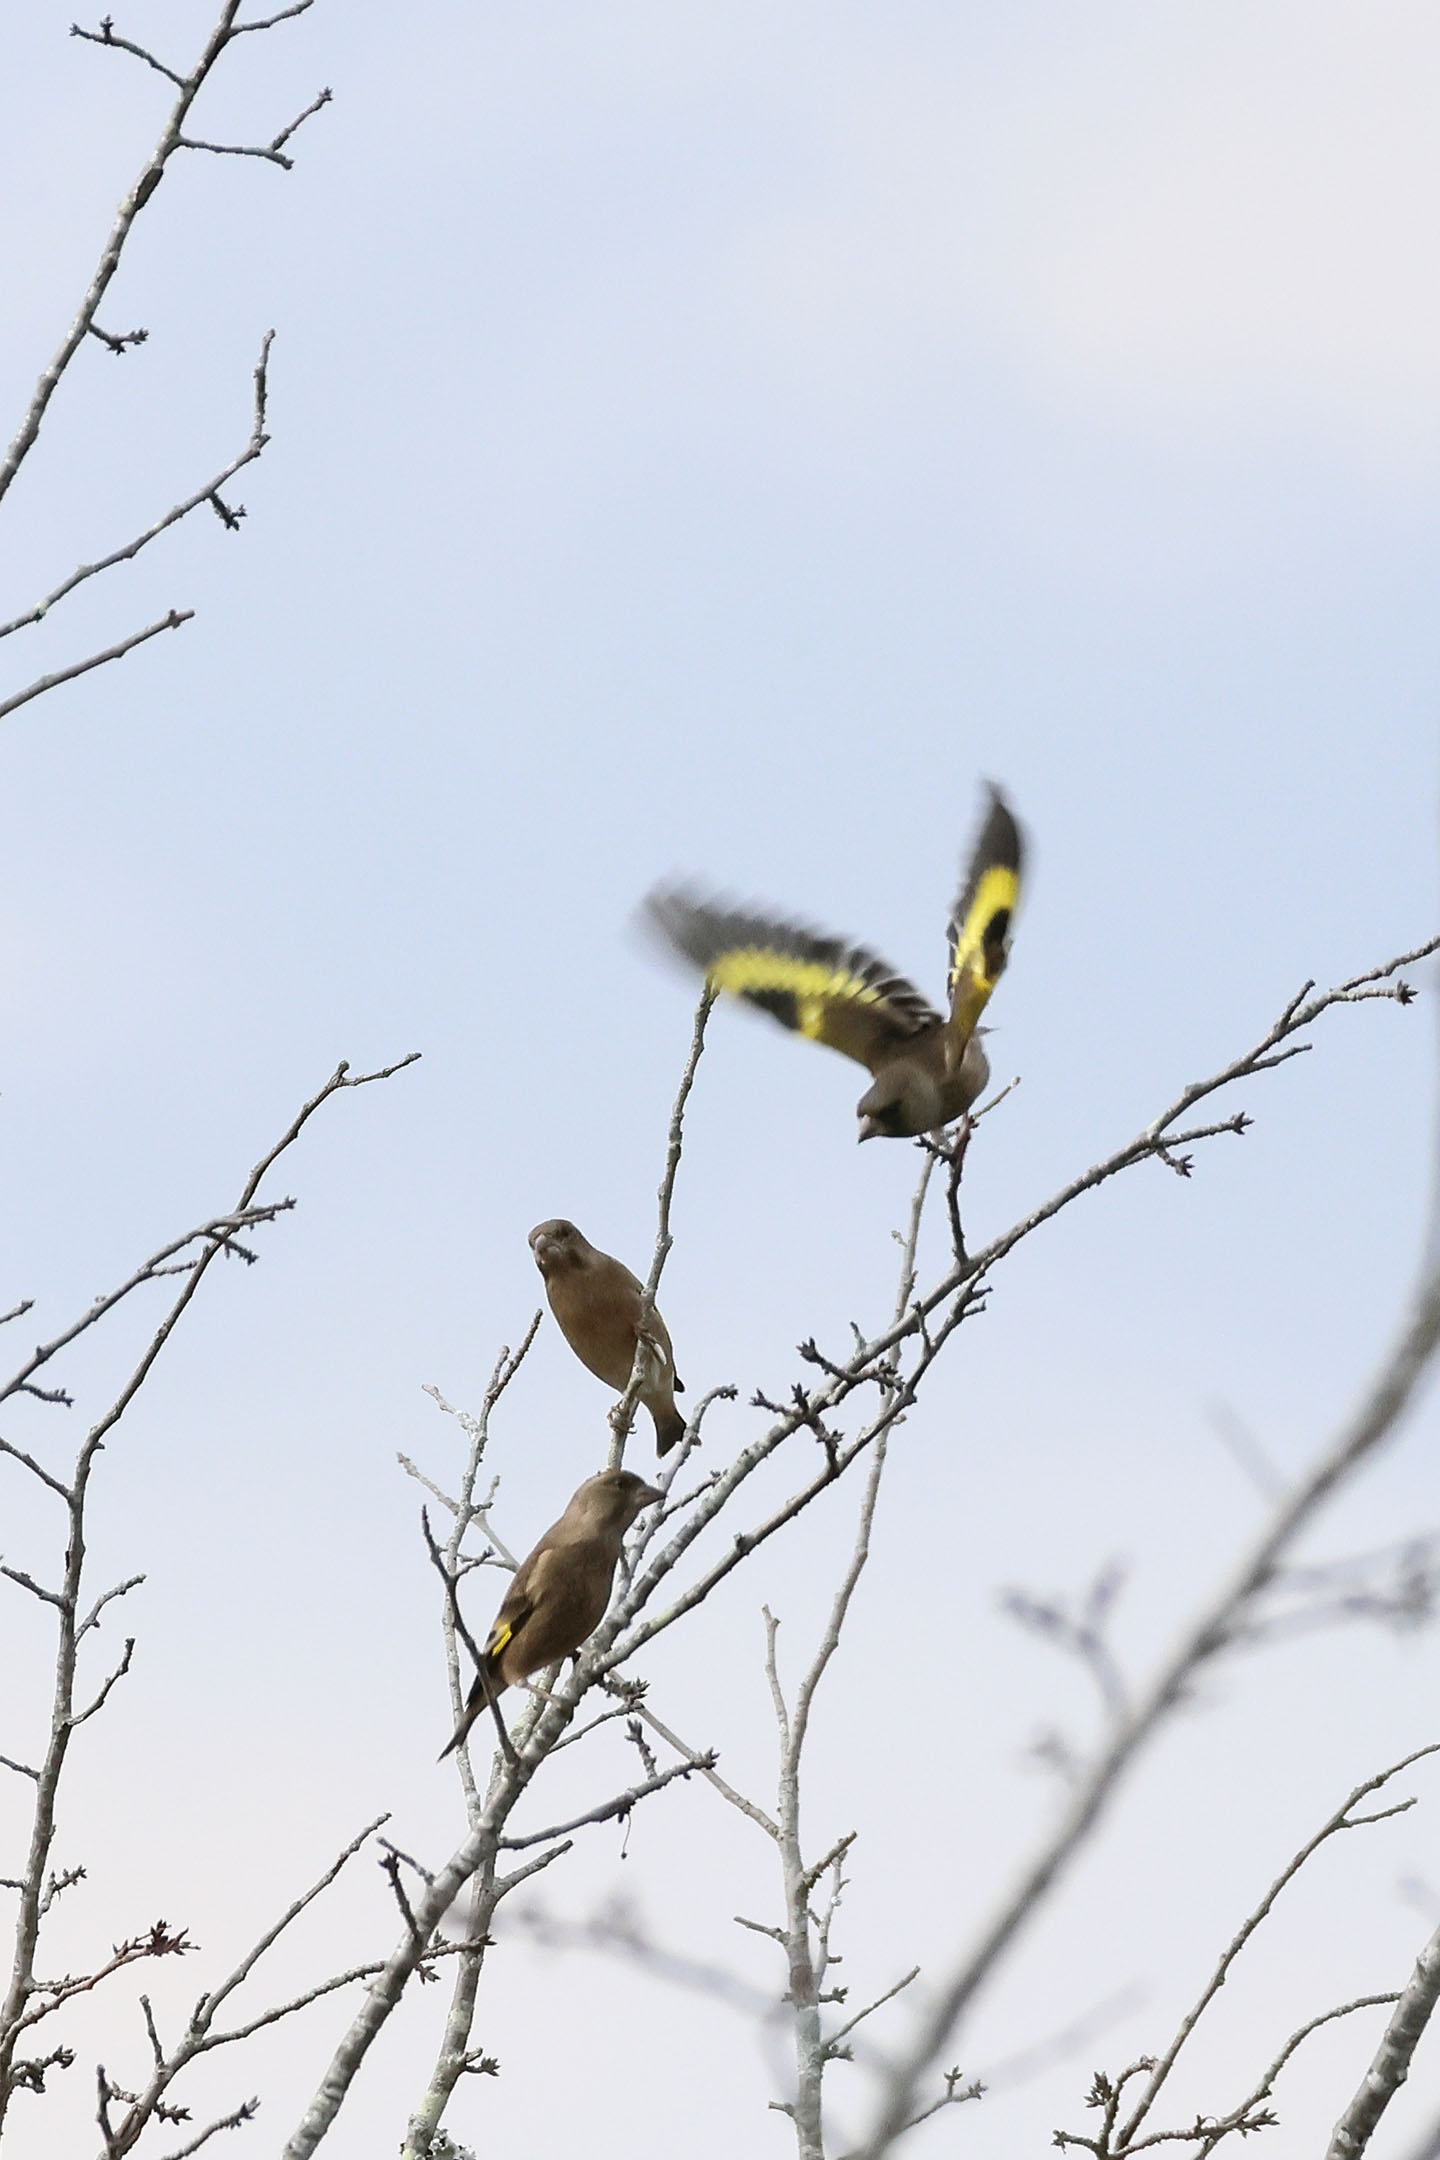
597,1303
927,1068
560,1590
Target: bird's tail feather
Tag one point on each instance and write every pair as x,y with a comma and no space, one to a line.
669,1428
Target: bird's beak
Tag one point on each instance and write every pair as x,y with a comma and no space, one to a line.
543,1249
652,1492
869,1129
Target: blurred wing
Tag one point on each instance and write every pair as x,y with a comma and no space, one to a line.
835,993
980,924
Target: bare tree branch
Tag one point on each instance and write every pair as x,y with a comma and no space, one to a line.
98,1702
213,1238
152,172
105,35
106,1597
216,1235
622,1416
173,621
268,22
1344,1818
1082,1633
200,2036
36,1469
608,1810
207,494
246,2112
1383,1403
896,1361
1391,2065
705,1764
272,151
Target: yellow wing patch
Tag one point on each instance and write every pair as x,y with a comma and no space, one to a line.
499,1636
824,988
759,973
980,943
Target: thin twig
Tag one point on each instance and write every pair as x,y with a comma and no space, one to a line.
272,151
215,1238
705,1764
257,443
608,1810
211,1236
172,621
1357,1438
151,173
622,1415
918,1335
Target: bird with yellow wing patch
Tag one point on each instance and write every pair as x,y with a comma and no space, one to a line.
559,1592
927,1067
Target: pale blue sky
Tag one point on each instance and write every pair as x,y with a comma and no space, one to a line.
714,438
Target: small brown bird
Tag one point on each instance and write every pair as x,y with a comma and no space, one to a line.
927,1068
597,1303
560,1591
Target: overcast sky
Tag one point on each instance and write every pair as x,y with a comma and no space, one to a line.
714,438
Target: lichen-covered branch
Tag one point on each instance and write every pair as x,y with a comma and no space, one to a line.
1391,2065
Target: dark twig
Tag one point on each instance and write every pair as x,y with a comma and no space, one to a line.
449,1576
116,343
246,2112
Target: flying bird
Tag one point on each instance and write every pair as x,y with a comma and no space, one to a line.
597,1303
559,1592
927,1067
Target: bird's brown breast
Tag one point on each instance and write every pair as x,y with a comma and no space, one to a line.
598,1309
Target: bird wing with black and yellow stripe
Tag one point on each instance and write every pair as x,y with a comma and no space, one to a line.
490,1681
821,987
980,924
518,1607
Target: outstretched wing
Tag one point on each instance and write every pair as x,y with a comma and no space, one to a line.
980,923
835,993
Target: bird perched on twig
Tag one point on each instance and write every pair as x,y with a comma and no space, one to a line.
927,1067
597,1303
560,1591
